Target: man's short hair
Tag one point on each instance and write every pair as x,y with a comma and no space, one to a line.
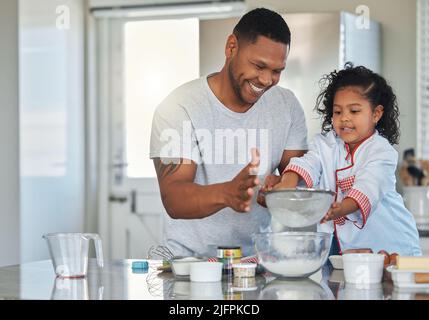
262,22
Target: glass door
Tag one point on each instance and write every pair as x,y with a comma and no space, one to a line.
147,60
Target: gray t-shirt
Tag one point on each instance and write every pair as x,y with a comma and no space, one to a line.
191,123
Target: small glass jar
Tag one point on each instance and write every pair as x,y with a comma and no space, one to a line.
244,284
244,270
229,256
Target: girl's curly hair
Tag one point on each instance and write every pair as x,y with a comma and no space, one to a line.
374,88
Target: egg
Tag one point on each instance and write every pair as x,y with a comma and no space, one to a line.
362,250
386,257
393,257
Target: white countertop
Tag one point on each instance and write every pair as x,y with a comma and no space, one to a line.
117,281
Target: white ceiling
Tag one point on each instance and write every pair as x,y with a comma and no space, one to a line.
114,3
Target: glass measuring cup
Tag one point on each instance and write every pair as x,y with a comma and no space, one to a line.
69,253
70,289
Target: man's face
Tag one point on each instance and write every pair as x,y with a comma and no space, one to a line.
256,67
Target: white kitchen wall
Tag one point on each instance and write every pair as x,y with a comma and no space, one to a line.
213,36
9,159
51,121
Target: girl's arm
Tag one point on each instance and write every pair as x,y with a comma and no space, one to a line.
307,167
289,179
374,178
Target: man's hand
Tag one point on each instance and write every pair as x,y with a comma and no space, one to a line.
270,181
239,191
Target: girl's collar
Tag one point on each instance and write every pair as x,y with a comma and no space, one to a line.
350,153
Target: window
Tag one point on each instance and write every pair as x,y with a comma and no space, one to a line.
157,61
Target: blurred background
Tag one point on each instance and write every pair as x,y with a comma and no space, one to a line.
80,80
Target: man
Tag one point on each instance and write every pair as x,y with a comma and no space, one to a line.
202,134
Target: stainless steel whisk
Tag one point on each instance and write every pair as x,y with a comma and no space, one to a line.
160,251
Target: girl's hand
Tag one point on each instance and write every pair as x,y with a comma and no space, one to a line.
289,179
270,181
333,212
340,209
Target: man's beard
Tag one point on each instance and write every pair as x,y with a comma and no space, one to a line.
234,82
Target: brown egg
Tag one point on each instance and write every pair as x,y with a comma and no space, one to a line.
386,257
362,250
393,257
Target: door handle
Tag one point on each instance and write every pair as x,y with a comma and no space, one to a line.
119,165
120,199
133,201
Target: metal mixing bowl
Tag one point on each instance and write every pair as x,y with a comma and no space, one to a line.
292,254
298,208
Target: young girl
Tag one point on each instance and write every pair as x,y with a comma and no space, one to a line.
354,157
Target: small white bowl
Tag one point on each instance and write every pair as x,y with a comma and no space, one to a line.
406,278
353,291
206,271
337,261
363,268
206,290
181,266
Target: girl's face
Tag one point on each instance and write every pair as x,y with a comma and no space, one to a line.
353,117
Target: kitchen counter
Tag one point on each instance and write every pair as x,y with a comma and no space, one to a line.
118,281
